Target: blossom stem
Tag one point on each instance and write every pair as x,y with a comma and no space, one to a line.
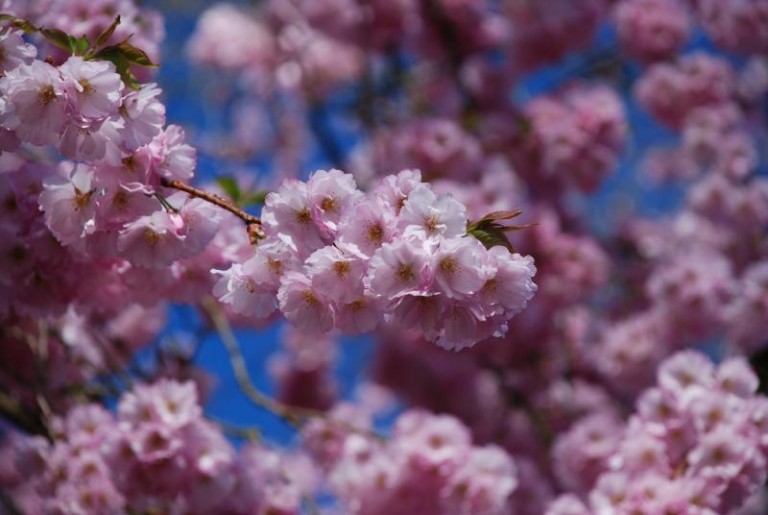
252,222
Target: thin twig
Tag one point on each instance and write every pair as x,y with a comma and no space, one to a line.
517,399
39,348
13,411
450,37
292,415
252,222
7,502
252,434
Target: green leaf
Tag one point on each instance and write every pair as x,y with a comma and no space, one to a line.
230,187
104,36
19,23
123,55
79,45
500,215
115,56
490,237
134,54
58,38
491,233
256,198
237,195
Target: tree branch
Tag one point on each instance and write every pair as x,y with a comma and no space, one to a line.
7,502
13,411
517,400
292,415
253,223
450,38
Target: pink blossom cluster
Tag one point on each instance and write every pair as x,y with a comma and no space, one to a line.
279,52
746,315
71,224
543,32
337,31
535,415
144,26
303,369
736,25
697,441
102,206
670,91
310,48
652,30
716,138
428,465
248,44
158,453
575,138
437,147
571,138
335,257
693,290
92,248
78,348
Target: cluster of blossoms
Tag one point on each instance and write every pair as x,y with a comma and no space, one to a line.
535,414
670,91
337,258
736,25
309,49
697,442
428,465
100,205
144,26
652,30
576,138
61,219
437,147
103,205
158,453
303,370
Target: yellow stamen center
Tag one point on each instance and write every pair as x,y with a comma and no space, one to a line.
341,268
375,234
46,95
310,299
405,272
304,216
449,266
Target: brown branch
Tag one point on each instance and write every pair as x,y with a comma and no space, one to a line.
253,223
7,502
450,37
13,411
516,399
251,434
292,415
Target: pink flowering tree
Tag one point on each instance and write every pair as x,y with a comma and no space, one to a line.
470,187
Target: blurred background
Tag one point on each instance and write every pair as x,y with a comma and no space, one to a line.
237,136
